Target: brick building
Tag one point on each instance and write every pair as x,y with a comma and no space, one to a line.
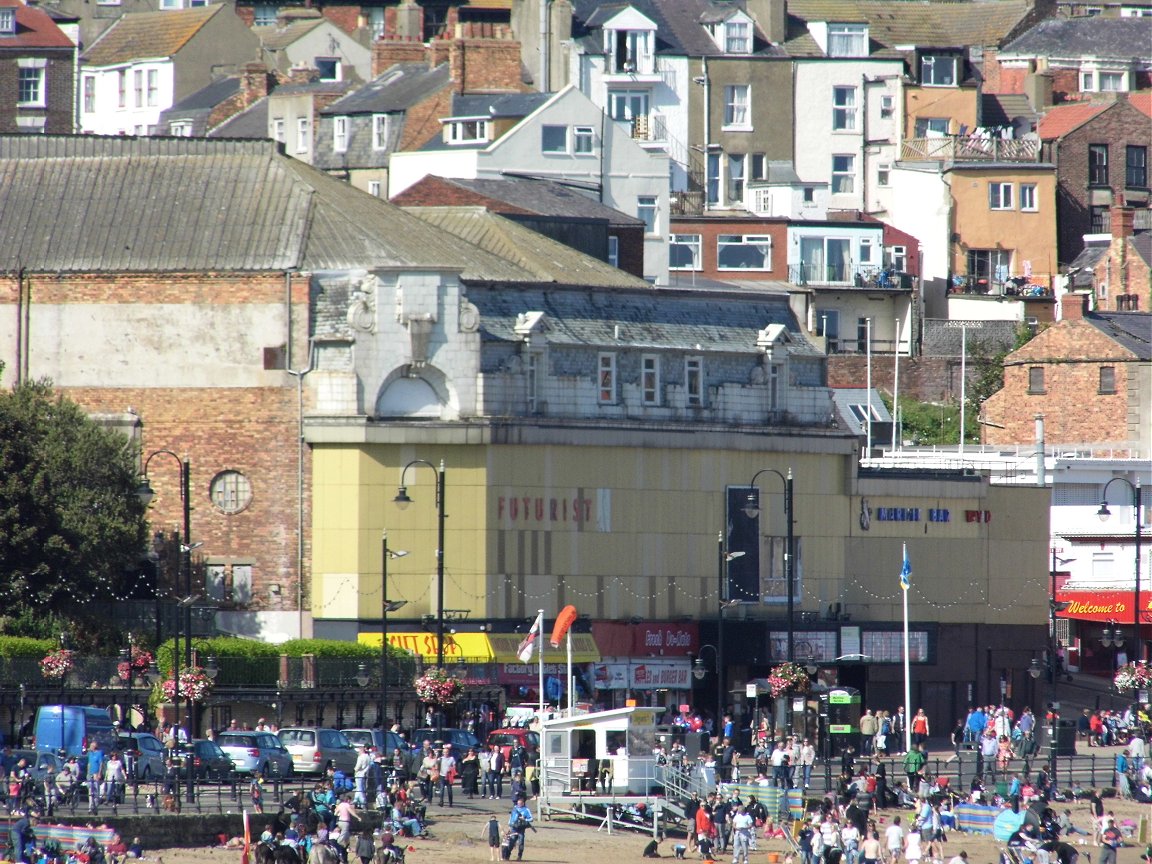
1089,374
1115,268
1100,150
37,61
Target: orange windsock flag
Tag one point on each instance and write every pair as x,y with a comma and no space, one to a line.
563,622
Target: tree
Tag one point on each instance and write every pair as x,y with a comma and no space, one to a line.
71,524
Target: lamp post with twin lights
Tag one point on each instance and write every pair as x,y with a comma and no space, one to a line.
752,510
386,606
402,501
1104,513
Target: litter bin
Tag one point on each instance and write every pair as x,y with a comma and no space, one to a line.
1065,738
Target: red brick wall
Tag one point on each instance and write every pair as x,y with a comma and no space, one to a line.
1071,353
392,50
709,229
422,120
347,18
59,93
485,57
925,379
251,429
1065,85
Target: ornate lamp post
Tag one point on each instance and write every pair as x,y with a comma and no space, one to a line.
752,510
386,606
1104,513
402,500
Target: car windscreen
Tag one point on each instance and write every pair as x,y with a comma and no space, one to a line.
359,737
495,740
236,740
301,737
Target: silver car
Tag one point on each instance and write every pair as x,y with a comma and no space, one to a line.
144,754
256,751
313,747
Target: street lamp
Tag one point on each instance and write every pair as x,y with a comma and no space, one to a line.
402,500
145,493
752,510
1104,513
125,671
386,606
723,558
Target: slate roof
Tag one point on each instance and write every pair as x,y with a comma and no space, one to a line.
35,28
1006,109
1132,330
1141,243
1062,119
1103,38
252,122
497,105
844,397
927,23
209,97
1084,263
148,34
278,38
545,198
527,255
195,205
687,321
679,29
396,89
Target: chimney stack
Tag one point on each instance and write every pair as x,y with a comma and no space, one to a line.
253,83
484,58
387,51
1073,306
1122,219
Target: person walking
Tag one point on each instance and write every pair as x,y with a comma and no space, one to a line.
447,767
95,775
520,820
360,773
492,833
919,728
496,773
742,824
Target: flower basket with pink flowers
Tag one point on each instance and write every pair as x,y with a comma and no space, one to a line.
137,667
788,677
194,685
1133,676
437,687
57,664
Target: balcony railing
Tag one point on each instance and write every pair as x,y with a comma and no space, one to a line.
1036,286
970,148
864,276
649,127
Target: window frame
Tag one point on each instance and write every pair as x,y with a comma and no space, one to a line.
884,175
1106,385
738,107
303,135
847,40
121,88
1133,180
649,204
375,188
694,381
844,111
31,86
381,128
1029,203
137,88
550,148
736,177
7,20
468,130
279,130
88,94
739,42
583,140
759,242
928,70
692,242
152,87
340,134
650,380
1001,195
849,174
613,250
1036,383
265,14
1098,164
607,387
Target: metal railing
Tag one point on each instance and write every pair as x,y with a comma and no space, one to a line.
866,276
970,148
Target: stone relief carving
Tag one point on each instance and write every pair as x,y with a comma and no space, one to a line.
469,317
362,305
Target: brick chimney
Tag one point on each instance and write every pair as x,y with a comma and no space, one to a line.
1122,219
485,58
387,51
1073,306
253,83
303,75
437,51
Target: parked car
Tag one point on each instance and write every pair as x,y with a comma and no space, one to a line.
506,739
39,764
144,754
256,751
209,762
313,747
384,740
460,739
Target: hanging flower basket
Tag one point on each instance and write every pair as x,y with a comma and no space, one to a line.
137,667
1133,676
437,687
194,685
788,677
57,664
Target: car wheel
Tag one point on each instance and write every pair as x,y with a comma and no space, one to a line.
291,770
264,772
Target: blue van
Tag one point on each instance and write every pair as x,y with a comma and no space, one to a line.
68,729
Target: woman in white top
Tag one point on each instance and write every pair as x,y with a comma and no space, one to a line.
115,776
912,851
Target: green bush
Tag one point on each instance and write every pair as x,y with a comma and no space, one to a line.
12,647
249,649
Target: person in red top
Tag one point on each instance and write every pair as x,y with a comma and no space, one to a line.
919,728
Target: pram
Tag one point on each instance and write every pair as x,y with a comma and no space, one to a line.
508,845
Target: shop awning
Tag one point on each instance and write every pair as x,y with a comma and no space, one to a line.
1089,604
505,645
458,647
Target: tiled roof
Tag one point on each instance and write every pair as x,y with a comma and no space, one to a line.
1141,101
1132,330
1141,243
148,34
538,258
544,197
34,29
1102,38
397,89
194,205
929,23
1062,119
689,321
1005,109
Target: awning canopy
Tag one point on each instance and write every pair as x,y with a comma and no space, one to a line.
505,645
458,647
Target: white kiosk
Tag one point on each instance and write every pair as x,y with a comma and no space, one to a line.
604,753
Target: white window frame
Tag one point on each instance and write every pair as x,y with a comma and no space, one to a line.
278,129
180,128
847,40
265,14
1000,195
32,70
650,379
761,242
623,104
121,88
738,107
694,381
928,70
583,140
7,20
532,366
138,88
887,104
737,37
468,130
646,204
303,135
1105,76
152,88
843,108
606,383
551,148
844,177
381,125
737,168
340,134
374,188
336,64
88,94
693,243
884,175
866,249
1028,201
898,258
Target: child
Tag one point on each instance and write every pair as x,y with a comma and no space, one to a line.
365,848
508,845
492,832
257,792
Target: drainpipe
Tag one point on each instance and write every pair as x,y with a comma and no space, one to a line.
299,375
544,47
19,325
707,131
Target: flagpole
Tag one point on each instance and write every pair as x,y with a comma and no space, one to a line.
540,662
905,584
571,697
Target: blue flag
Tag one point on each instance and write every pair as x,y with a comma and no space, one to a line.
906,570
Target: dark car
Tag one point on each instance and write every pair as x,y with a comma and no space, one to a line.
460,739
209,762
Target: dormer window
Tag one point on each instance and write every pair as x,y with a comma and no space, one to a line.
466,132
939,70
1096,80
847,40
738,37
7,21
631,51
